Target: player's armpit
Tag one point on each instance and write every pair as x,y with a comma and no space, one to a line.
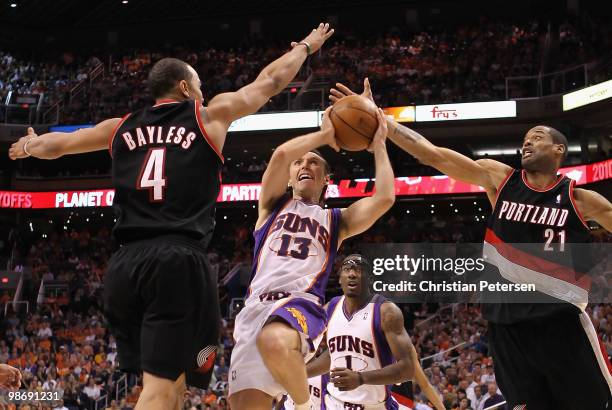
392,323
594,207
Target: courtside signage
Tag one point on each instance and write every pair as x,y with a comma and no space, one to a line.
346,188
466,111
587,95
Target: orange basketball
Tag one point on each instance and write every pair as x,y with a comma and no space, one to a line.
355,122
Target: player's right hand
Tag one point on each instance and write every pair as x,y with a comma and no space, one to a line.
317,37
342,91
17,151
10,377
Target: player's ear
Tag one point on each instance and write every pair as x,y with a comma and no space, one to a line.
184,88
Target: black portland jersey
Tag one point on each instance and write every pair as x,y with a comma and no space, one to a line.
166,173
537,236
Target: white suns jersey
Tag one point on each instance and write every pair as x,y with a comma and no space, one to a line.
316,393
294,249
357,342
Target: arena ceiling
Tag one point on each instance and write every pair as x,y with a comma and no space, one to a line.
92,13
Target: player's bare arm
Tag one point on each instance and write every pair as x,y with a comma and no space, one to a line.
486,173
225,108
423,382
276,177
362,214
594,207
56,144
392,323
319,365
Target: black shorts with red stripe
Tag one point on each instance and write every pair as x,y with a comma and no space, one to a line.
554,362
161,302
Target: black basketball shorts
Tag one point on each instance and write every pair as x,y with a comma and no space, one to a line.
161,302
555,362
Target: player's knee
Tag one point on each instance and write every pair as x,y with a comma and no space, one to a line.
160,389
273,341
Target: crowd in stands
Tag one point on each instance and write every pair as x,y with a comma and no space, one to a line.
64,345
468,62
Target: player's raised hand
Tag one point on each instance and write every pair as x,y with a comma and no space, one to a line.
342,90
17,150
10,377
316,38
345,379
380,137
326,125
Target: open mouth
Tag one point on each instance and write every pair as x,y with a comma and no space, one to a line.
527,153
352,285
305,176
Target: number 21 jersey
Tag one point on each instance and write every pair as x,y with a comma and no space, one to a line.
166,173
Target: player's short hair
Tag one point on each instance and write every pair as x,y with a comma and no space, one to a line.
558,138
165,74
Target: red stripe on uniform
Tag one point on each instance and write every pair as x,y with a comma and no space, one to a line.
573,201
404,401
604,353
198,115
502,185
536,263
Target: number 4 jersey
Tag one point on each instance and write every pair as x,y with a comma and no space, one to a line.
166,173
536,236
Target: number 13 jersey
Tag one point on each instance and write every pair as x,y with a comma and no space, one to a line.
295,249
166,173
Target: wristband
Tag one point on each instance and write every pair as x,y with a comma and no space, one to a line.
25,147
360,378
305,43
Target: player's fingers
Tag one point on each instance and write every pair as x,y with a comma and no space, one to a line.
336,93
343,88
293,44
329,34
325,27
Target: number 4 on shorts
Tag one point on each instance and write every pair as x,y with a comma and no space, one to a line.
152,175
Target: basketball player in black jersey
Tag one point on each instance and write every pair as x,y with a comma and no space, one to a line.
546,355
160,296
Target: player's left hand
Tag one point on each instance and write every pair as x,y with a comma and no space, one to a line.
342,90
16,151
345,379
330,131
380,137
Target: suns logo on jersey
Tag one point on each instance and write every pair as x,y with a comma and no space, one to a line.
299,316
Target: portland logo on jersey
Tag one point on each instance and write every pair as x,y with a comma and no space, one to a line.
541,215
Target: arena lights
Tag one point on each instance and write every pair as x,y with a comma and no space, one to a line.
13,5
588,95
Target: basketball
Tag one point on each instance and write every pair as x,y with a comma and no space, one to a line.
355,122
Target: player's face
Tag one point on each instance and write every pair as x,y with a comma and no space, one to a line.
307,176
538,149
352,280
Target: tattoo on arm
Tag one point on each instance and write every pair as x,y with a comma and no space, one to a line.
406,133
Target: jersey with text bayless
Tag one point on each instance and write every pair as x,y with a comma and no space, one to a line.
357,342
536,236
166,173
295,249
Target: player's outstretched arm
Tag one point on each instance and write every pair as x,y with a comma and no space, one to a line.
56,144
362,214
487,173
225,108
423,382
594,207
276,176
320,365
392,323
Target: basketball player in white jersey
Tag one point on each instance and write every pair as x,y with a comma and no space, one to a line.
295,244
369,349
316,387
